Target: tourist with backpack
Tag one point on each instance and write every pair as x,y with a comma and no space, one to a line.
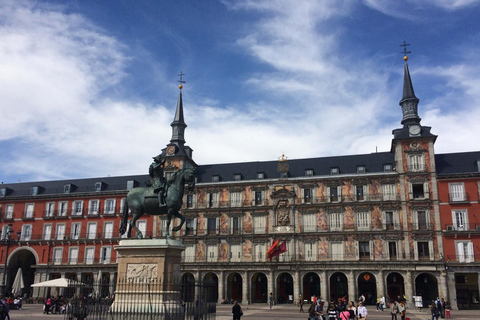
394,309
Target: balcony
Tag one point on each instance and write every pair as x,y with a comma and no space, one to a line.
416,168
49,214
112,212
74,213
28,215
462,258
421,226
94,213
458,197
391,226
468,227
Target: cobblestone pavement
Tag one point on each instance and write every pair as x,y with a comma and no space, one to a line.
256,312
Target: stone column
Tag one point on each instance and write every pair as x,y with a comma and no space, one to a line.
296,287
452,292
112,283
380,284
271,287
442,292
198,280
351,286
409,292
324,286
221,287
245,293
38,278
79,279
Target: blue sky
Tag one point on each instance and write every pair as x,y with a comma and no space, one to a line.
89,87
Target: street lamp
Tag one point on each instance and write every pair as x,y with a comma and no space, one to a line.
7,240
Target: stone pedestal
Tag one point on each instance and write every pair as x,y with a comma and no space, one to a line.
148,281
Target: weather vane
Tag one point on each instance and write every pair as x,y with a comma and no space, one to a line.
181,79
405,52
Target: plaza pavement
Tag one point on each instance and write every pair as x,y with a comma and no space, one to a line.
256,312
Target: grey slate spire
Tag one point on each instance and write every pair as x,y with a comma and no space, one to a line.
409,102
178,124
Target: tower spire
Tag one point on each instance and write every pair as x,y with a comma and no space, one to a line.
409,102
178,124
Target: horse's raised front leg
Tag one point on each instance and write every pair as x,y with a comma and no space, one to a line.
182,221
133,222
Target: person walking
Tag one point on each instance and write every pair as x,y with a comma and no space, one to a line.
352,310
319,309
237,311
402,309
394,309
332,312
362,311
270,300
300,303
311,312
435,310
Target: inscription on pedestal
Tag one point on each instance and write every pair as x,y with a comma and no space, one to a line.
140,272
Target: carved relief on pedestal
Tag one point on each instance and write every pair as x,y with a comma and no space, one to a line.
140,272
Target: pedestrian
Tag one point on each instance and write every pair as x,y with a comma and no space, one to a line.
300,303
394,309
435,310
378,303
402,309
382,303
319,309
352,310
311,312
332,312
4,310
237,311
270,300
362,311
443,307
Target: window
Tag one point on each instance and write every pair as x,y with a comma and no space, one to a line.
106,255
66,188
310,252
130,184
62,208
336,221
73,256
259,224
388,167
212,199
260,175
359,193
28,214
392,250
309,222
237,177
337,251
4,231
3,192
309,173
460,219
363,220
26,232
34,191
60,232
364,250
47,232
361,169
91,230
108,230
457,192
93,207
57,255
76,229
389,192
189,226
417,191
109,206
212,225
389,223
258,198
189,200
49,209
416,163
215,178
422,220
235,199
77,208
465,251
89,255
142,226
9,211
212,252
235,225
423,250
334,194
98,186
306,195
334,171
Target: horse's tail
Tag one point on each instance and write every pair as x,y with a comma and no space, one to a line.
123,224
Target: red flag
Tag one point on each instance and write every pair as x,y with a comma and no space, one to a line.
276,249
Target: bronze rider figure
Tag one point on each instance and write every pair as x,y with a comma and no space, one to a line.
158,180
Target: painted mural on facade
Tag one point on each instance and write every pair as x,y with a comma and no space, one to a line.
223,197
379,248
223,251
223,223
376,218
323,252
350,248
322,222
347,191
200,251
375,189
247,250
201,224
349,219
321,192
247,223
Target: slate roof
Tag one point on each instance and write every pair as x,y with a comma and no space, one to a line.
447,164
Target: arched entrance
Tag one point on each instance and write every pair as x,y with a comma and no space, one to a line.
188,287
235,286
284,288
426,286
311,286
338,286
259,288
24,259
211,283
367,285
395,286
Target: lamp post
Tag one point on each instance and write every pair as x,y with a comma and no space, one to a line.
7,240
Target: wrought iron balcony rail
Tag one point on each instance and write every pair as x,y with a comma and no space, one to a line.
28,215
467,258
458,197
417,168
114,235
468,227
422,226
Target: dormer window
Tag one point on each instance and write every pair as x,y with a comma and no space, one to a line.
216,178
130,184
34,191
98,186
260,175
237,177
478,165
3,192
361,169
387,167
67,188
334,171
309,173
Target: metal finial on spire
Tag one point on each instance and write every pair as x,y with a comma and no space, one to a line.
405,52
181,74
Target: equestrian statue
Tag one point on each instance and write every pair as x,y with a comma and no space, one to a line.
162,197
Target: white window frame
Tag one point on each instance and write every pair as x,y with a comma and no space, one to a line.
235,199
363,220
189,254
416,162
335,221
465,251
259,224
57,256
94,207
457,224
49,209
337,250
108,210
4,231
389,192
77,208
106,254
89,255
29,210
310,222
415,219
395,219
456,191
311,251
308,198
91,230
26,234
235,253
76,230
108,234
9,210
212,199
212,252
73,259
62,208
60,231
47,234
142,226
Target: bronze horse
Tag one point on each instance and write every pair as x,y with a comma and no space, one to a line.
144,200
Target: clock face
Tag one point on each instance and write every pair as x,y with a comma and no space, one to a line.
414,129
